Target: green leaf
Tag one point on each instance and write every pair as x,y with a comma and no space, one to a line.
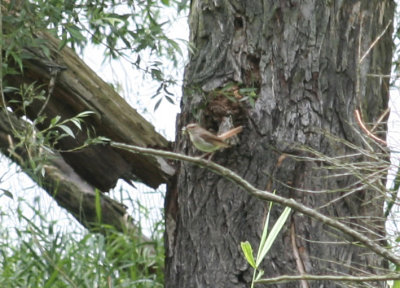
248,253
98,205
265,231
274,233
252,102
67,130
10,89
156,74
158,91
53,278
63,42
54,121
182,5
101,140
17,59
157,104
259,275
166,91
228,86
396,283
113,20
77,123
169,99
246,90
175,46
7,193
85,114
75,33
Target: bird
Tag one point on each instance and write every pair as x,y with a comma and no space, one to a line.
206,141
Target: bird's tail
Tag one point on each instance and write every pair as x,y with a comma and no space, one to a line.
230,133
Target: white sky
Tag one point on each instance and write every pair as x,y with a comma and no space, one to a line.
393,141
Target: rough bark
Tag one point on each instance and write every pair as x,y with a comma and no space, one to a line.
76,89
302,57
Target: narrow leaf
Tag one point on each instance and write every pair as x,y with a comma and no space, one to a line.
113,20
169,99
7,193
259,275
75,33
53,278
396,283
248,253
157,104
85,114
98,205
67,130
265,231
77,123
54,121
63,42
274,233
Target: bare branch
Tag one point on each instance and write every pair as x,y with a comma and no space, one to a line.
61,182
375,42
287,278
365,129
269,196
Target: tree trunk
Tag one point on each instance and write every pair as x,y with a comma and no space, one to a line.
302,58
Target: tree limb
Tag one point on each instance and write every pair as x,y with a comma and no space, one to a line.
76,89
61,182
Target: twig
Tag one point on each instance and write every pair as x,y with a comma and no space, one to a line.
287,278
358,96
296,254
380,119
54,69
365,129
375,41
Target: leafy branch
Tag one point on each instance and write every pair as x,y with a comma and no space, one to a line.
265,243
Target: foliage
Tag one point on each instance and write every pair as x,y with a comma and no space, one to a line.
37,254
41,132
133,29
121,26
266,241
238,92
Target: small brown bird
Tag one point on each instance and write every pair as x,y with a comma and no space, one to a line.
206,141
